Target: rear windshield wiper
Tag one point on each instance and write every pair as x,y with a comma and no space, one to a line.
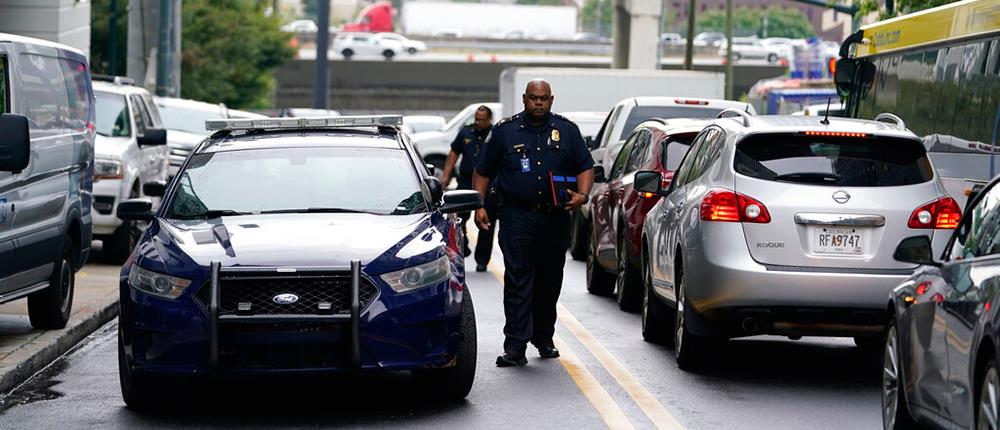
317,211
810,177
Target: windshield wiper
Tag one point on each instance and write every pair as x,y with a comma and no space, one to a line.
317,211
215,213
809,177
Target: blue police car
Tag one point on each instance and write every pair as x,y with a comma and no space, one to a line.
297,245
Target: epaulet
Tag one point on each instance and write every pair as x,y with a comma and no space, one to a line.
508,119
555,115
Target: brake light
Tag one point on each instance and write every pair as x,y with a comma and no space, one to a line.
730,206
943,213
691,102
833,134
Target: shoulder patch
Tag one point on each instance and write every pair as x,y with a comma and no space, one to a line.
508,119
555,115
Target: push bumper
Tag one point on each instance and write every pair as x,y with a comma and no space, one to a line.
107,195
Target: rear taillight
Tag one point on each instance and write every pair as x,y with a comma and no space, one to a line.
691,102
943,213
730,206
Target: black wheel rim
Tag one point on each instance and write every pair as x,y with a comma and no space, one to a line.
679,317
622,279
646,292
890,381
65,285
987,408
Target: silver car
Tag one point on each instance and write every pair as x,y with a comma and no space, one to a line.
786,225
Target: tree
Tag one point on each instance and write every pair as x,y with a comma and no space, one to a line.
100,20
780,22
230,50
596,16
902,7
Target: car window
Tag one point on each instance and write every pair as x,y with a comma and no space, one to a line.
701,155
138,116
3,85
684,170
151,112
623,154
44,93
604,129
643,113
77,86
379,181
639,151
673,150
186,119
612,120
979,234
112,115
833,161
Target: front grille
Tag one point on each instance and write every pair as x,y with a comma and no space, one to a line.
259,292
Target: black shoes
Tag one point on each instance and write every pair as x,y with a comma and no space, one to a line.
480,267
548,352
508,360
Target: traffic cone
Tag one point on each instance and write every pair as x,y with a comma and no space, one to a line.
470,58
493,58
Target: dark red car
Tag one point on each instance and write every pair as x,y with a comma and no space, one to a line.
618,211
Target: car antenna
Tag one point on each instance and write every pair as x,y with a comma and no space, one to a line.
748,108
826,116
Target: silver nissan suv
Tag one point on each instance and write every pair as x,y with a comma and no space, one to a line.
786,225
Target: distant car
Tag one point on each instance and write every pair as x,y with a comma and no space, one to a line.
786,225
748,48
671,39
411,46
46,175
284,248
131,152
300,26
782,47
620,122
836,109
186,121
591,38
434,146
366,44
618,210
942,342
516,34
588,122
307,112
709,39
413,124
447,33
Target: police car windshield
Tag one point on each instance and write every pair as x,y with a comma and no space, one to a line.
304,180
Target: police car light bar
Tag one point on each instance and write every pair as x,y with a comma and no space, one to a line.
306,122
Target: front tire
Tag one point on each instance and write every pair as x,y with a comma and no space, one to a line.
628,292
689,349
140,392
656,327
49,309
599,282
388,54
412,51
987,407
454,383
347,53
895,414
772,58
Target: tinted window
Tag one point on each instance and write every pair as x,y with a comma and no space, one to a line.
112,115
640,150
979,234
619,167
673,150
3,84
704,154
833,161
139,115
642,113
78,92
43,92
684,171
380,181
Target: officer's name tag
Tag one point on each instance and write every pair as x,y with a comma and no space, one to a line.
525,165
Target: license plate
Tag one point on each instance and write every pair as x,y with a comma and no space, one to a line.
842,241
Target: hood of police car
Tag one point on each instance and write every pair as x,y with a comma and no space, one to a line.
296,240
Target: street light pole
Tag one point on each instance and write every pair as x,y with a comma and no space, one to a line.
689,49
164,78
321,84
729,49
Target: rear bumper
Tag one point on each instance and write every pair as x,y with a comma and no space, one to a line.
725,286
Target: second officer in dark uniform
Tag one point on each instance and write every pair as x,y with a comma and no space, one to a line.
523,155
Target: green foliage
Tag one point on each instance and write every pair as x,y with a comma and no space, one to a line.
541,2
230,51
100,20
596,16
780,22
903,7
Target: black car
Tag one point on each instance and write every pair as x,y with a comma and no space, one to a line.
940,364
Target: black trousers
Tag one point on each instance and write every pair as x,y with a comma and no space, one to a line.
534,252
484,243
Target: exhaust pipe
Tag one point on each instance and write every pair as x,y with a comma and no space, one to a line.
750,325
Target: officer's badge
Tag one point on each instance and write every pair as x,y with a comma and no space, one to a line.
555,135
468,141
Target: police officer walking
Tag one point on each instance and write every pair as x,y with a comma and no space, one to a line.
470,144
531,156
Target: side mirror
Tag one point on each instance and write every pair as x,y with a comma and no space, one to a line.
648,182
916,250
436,189
461,201
15,147
843,77
599,175
135,210
154,189
591,143
153,137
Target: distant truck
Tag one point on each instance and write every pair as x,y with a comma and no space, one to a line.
374,18
489,20
598,90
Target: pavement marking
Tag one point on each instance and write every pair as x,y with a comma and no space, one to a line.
648,403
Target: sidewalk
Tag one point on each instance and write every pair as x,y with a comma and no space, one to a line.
24,351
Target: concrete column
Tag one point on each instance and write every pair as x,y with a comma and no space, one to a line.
637,34
61,21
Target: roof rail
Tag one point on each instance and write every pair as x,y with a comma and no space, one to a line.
304,122
727,113
882,117
117,80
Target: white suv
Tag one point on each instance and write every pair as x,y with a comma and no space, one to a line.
366,44
131,151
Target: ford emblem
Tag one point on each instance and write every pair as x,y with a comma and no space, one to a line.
285,299
841,197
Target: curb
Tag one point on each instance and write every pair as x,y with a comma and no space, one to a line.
59,342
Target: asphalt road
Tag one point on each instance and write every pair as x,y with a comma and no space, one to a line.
608,377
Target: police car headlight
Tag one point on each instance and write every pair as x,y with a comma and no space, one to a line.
108,169
421,276
157,284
